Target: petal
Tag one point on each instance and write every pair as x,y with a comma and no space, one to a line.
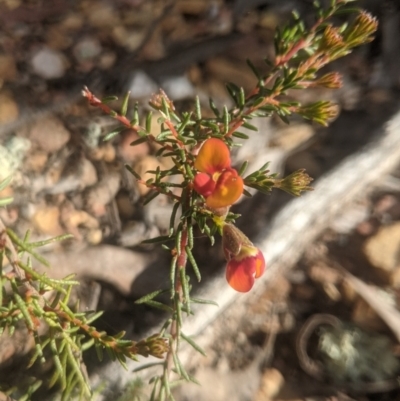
240,274
213,156
259,264
204,184
227,191
243,269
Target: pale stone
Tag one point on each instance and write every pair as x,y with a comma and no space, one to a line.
102,16
142,167
131,40
87,49
383,249
46,220
36,161
95,236
100,194
49,134
131,153
56,38
141,85
292,137
107,60
48,63
272,382
8,68
73,22
178,87
8,108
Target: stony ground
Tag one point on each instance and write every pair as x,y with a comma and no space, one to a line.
288,344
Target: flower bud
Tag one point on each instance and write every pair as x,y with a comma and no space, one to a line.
245,261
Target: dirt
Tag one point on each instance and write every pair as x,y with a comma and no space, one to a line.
68,180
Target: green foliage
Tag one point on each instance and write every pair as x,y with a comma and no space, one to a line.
61,333
3,185
300,54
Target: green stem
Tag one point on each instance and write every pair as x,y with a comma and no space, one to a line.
175,326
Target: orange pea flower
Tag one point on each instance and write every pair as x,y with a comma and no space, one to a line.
217,181
245,261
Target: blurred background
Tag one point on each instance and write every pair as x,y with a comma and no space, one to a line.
66,179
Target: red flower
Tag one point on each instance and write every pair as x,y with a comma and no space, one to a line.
245,261
217,181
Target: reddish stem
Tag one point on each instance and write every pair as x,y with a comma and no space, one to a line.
96,102
174,133
174,330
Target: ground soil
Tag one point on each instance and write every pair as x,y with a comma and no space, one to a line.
204,44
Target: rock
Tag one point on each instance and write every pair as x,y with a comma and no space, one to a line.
56,38
291,137
92,134
158,213
76,175
225,71
271,383
8,68
48,63
46,220
178,87
130,153
8,215
269,20
141,85
107,60
135,232
36,161
142,167
125,207
193,7
131,40
219,386
111,264
102,16
11,155
100,194
49,134
87,49
72,22
154,49
8,108
383,249
28,210
94,236
257,143
14,346
73,219
106,153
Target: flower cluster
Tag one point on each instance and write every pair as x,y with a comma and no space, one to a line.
217,181
222,186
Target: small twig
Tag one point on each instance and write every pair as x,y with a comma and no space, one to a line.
312,367
96,102
14,255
